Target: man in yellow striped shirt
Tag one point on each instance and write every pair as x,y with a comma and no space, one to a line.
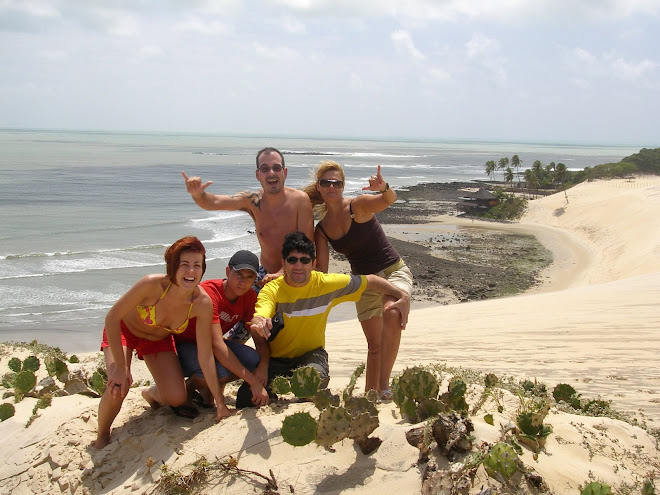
304,298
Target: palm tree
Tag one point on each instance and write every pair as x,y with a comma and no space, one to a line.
531,178
516,161
560,173
508,175
502,164
490,168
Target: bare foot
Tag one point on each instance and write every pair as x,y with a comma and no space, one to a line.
146,395
101,441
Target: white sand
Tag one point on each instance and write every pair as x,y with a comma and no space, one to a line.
593,324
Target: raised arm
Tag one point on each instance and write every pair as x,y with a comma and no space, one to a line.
209,201
375,203
402,303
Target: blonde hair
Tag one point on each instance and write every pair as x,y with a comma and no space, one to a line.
321,168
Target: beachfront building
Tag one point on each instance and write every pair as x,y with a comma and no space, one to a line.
477,201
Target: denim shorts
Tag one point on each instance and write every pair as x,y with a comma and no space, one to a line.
187,352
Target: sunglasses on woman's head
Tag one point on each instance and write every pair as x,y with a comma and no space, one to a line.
292,260
337,184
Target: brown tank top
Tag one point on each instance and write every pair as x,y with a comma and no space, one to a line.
365,245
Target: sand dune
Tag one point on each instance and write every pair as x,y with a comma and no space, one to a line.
594,324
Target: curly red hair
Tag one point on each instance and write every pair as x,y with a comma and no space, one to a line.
173,254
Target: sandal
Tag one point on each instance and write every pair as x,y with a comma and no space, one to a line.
185,411
386,395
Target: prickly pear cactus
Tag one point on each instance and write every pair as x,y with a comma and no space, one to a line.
74,359
299,429
501,462
596,488
280,385
564,392
8,379
7,410
362,426
14,364
490,380
358,405
57,368
24,382
334,425
31,363
418,384
348,391
428,408
305,382
324,399
456,395
98,382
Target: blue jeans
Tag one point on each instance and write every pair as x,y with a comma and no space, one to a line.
187,352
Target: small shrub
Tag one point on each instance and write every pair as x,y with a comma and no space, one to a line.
74,359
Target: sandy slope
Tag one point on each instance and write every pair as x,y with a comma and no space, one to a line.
593,324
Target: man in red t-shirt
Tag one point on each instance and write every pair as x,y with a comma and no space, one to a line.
233,306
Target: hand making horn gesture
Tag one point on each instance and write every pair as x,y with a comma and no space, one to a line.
194,185
376,183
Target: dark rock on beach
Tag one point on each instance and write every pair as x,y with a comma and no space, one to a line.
471,264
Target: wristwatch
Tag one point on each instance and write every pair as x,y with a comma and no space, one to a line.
387,188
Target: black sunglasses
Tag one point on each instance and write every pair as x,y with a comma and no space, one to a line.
292,260
264,169
337,184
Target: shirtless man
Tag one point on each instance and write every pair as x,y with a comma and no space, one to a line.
275,208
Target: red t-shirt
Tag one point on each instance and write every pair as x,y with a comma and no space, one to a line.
224,312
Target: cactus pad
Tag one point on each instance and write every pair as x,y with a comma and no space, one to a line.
98,383
419,384
305,382
7,410
299,429
31,363
14,364
24,382
57,368
280,385
348,391
490,380
596,488
324,399
363,425
334,425
358,405
501,461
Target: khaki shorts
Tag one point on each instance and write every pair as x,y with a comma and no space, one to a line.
370,304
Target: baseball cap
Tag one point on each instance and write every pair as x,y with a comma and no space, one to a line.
244,260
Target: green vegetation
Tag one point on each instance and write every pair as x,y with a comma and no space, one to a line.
357,418
555,176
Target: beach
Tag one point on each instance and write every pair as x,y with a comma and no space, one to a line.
591,322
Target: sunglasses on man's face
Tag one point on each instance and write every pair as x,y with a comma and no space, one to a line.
292,260
264,169
337,184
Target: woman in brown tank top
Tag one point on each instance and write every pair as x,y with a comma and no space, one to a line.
351,228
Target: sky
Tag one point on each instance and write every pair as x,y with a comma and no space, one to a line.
570,71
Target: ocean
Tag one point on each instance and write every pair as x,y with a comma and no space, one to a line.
84,215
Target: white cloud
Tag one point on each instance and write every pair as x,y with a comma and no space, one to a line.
404,44
293,26
202,26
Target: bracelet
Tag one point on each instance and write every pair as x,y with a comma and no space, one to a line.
387,188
